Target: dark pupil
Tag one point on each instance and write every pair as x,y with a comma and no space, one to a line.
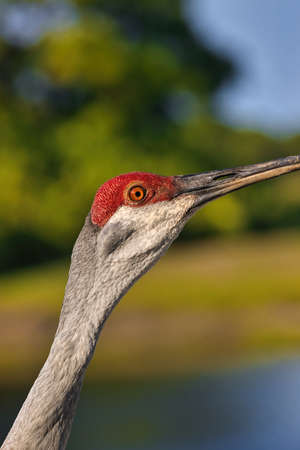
138,193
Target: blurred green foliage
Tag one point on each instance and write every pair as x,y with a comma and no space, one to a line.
212,304
118,86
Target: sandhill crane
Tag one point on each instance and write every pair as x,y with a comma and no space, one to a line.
133,220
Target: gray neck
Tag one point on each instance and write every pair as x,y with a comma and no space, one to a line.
104,266
45,419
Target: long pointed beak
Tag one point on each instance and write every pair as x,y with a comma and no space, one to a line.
210,185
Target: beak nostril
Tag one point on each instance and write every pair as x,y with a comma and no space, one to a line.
224,176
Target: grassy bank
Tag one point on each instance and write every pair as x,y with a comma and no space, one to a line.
204,304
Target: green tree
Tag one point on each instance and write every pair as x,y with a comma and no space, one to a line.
117,86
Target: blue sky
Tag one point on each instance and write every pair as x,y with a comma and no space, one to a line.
263,38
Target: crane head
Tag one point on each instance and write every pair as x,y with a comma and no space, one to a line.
139,212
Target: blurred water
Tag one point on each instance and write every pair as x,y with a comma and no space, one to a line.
249,409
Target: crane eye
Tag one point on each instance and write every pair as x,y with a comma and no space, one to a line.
137,193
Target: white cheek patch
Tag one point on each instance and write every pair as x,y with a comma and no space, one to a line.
148,217
156,212
147,228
